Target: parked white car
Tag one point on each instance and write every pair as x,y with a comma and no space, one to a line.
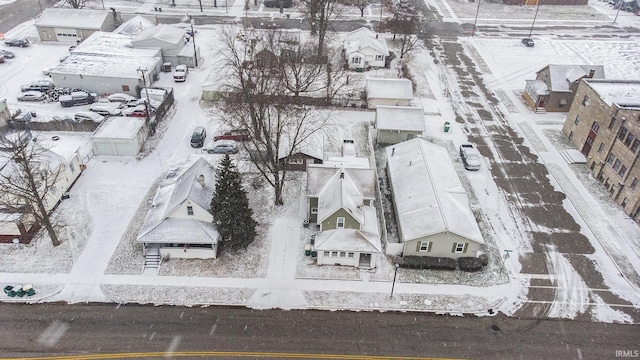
88,116
121,97
106,109
470,156
180,73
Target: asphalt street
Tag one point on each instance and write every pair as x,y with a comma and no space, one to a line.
48,330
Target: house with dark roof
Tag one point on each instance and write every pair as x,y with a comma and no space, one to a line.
431,206
178,224
341,202
555,86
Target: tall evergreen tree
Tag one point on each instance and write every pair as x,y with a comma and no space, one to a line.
230,208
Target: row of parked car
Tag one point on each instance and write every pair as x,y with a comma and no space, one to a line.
223,142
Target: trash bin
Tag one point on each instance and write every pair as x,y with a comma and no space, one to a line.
166,67
313,239
314,253
305,223
307,250
447,126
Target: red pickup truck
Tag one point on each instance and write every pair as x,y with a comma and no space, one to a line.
235,135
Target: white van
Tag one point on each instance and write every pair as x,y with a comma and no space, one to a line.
180,73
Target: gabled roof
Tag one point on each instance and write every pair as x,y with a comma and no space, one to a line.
177,186
348,240
162,32
318,177
539,87
379,46
134,26
73,18
360,33
386,88
312,146
427,193
400,118
340,192
562,76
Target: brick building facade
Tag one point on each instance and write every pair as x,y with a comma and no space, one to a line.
604,124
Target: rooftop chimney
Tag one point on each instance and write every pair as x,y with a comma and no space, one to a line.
591,73
201,179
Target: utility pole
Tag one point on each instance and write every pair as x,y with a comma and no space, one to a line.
534,17
476,19
193,37
152,127
393,285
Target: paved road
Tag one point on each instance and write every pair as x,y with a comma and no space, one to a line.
17,12
66,330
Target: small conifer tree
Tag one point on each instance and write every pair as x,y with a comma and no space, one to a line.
230,208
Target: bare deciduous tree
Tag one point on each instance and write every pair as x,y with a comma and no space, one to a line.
29,177
321,15
362,4
261,96
76,4
403,15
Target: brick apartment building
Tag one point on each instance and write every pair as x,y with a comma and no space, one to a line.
604,124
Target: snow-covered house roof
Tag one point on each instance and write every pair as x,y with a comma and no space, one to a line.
385,88
345,162
319,176
538,86
427,193
625,93
111,44
400,118
562,76
312,146
73,18
134,26
194,182
348,240
163,33
354,46
111,66
360,33
340,192
119,127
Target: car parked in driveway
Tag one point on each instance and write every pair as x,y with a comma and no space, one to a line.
138,111
528,42
21,42
121,97
180,73
222,147
235,135
198,136
7,54
470,156
31,96
106,109
87,116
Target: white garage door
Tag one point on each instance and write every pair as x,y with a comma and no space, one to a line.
104,148
124,149
67,35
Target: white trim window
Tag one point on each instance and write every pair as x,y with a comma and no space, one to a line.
190,210
314,210
459,247
340,222
356,60
379,57
424,246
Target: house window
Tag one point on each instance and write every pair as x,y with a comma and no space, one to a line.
72,168
585,100
577,120
343,254
379,58
563,102
340,223
635,145
634,183
334,254
612,123
356,60
327,254
295,161
459,248
600,148
190,210
629,140
350,255
624,203
595,127
616,165
571,135
622,171
424,246
314,210
623,133
125,88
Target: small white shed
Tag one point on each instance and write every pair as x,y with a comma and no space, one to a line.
120,136
396,124
388,91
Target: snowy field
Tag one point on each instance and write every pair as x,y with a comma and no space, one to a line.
99,259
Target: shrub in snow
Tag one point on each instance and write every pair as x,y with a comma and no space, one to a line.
470,263
428,262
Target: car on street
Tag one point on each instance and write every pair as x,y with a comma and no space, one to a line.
7,54
87,116
180,73
106,109
235,135
528,42
222,147
31,96
198,136
470,156
20,42
121,97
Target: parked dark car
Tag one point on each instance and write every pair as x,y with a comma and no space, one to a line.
1,59
21,42
528,42
7,54
198,136
276,3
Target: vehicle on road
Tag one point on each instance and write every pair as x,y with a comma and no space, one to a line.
198,136
180,73
121,97
31,96
7,54
528,42
470,156
87,116
278,3
222,147
78,98
235,135
20,42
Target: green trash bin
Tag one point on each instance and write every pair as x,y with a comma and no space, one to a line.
447,126
307,250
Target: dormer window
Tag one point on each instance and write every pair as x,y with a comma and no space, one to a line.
190,210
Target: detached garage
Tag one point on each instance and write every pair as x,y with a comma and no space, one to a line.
73,25
119,136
